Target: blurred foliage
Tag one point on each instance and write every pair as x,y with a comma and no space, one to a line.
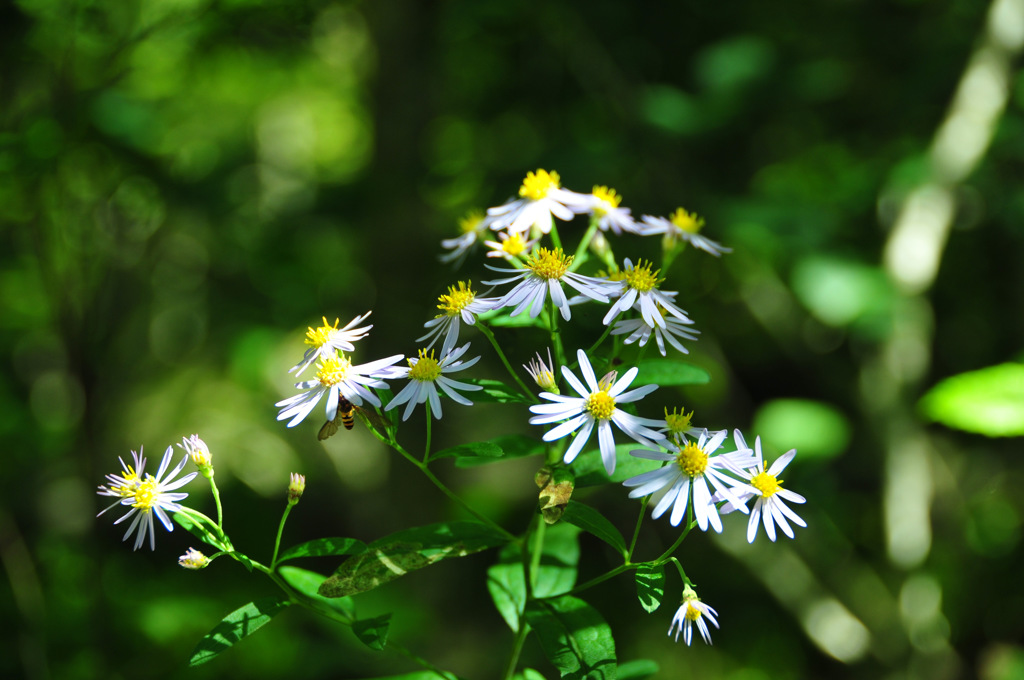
185,185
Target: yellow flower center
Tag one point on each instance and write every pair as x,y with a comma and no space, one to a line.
537,185
692,460
471,221
550,264
146,495
641,277
514,244
687,221
333,371
425,368
692,613
678,423
765,483
318,337
456,299
600,405
608,200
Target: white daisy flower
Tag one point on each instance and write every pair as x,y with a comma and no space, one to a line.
150,496
509,246
124,484
541,199
425,374
543,373
604,206
597,405
459,304
471,228
692,465
681,226
679,428
544,274
766,487
691,611
639,287
325,341
337,377
673,329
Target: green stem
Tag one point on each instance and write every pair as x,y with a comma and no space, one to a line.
517,648
556,336
216,500
280,531
504,360
577,258
426,450
555,241
599,579
223,542
593,348
636,531
448,492
690,523
536,550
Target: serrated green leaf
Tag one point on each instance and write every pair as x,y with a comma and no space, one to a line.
373,632
592,521
323,547
306,583
669,372
512,446
650,586
237,625
640,669
474,450
574,637
989,401
589,468
497,391
394,556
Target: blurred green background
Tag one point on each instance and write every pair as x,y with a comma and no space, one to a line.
186,185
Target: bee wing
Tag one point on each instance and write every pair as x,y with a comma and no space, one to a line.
329,429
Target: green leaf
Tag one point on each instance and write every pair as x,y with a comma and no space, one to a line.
512,446
474,450
306,583
529,674
558,561
500,319
556,573
497,391
589,467
506,582
592,521
640,669
574,637
373,632
650,586
393,556
197,530
244,559
322,547
989,401
669,372
239,624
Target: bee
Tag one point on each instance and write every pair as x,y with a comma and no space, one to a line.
345,416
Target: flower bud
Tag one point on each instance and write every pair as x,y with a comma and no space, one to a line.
295,488
199,452
193,559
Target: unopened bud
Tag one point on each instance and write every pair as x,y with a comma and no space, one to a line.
193,559
295,488
199,452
